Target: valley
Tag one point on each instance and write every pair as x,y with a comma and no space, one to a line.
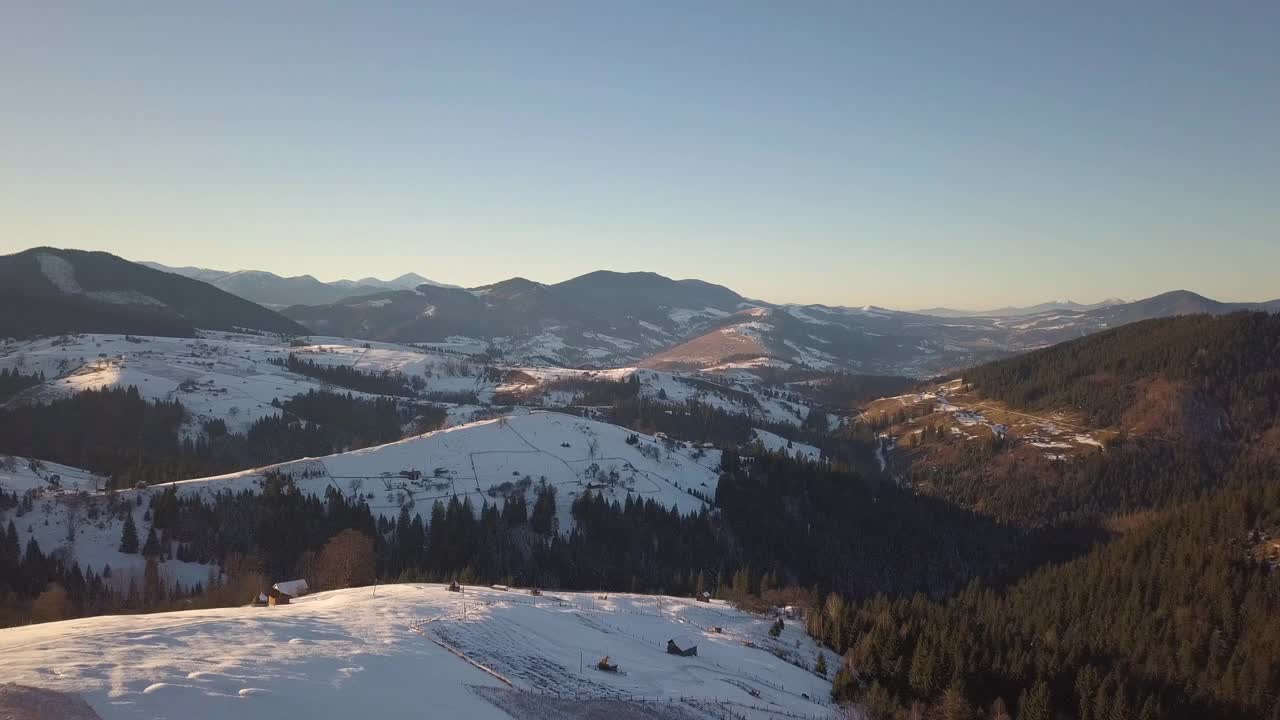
624,455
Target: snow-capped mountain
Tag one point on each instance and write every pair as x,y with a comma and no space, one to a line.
601,319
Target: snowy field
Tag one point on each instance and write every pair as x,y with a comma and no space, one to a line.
416,651
221,375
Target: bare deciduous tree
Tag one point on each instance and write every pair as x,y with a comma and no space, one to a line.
347,560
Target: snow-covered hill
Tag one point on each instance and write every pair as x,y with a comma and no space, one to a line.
491,460
488,461
227,376
413,651
235,377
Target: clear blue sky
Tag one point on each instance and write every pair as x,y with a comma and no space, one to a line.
967,154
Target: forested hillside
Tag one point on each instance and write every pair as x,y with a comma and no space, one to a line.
1228,366
1180,403
1175,620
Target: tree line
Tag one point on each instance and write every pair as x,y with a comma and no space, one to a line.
117,433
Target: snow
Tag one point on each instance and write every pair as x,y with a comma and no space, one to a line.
487,459
678,389
801,313
417,650
19,474
811,357
777,443
225,376
70,515
293,588
62,275
684,316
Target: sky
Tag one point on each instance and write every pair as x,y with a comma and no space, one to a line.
906,155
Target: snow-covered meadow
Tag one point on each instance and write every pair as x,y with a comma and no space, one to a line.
420,651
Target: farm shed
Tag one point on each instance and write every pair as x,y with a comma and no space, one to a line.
682,645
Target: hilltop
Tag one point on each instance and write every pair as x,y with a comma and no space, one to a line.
416,649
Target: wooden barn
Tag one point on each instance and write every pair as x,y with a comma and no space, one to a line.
682,645
276,597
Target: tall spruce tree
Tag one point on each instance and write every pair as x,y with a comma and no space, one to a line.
129,536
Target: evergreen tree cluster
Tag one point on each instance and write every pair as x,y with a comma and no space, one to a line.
1233,361
117,433
13,382
822,524
1174,620
384,382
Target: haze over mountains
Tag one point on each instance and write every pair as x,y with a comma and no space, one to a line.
599,319
274,291
1010,310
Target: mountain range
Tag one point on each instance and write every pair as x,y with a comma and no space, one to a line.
275,291
600,319
1012,311
608,318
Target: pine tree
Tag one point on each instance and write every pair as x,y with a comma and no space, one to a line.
129,536
820,666
955,703
152,547
1035,704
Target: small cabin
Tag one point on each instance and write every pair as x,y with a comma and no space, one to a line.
276,597
454,586
682,645
260,600
535,591
292,588
703,596
795,612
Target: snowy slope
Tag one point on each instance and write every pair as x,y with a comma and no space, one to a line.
349,653
777,443
231,376
486,461
222,375
70,514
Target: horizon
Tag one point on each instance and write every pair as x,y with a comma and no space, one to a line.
970,158
1053,299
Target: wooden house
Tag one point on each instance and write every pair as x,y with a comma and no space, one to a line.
682,645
